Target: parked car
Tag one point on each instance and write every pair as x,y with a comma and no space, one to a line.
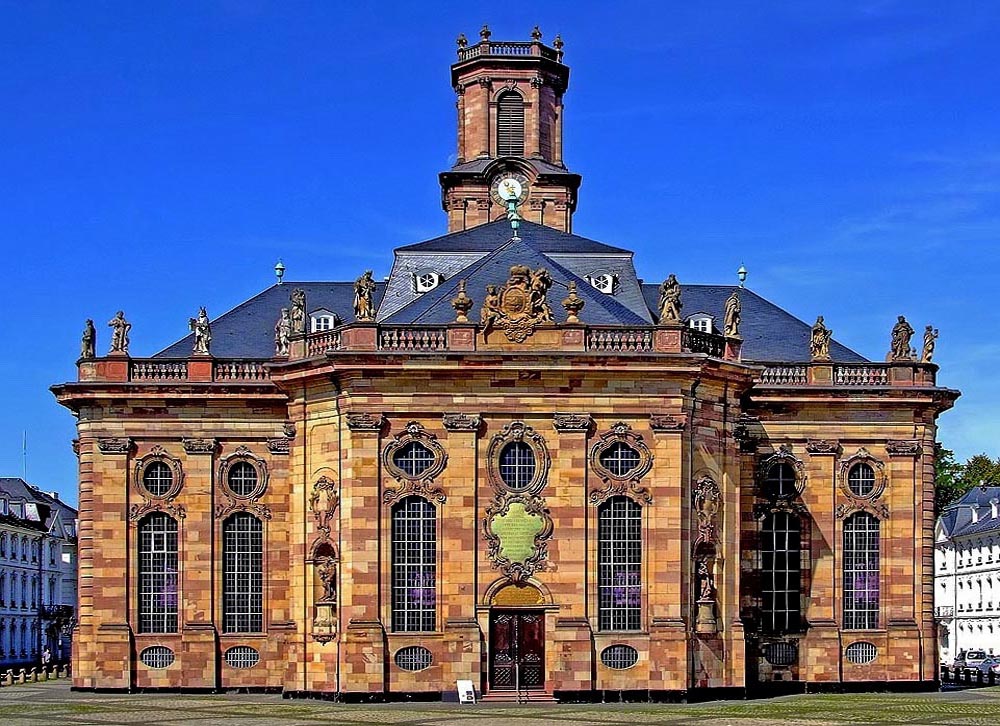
990,665
970,659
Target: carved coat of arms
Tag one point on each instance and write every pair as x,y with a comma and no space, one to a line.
519,305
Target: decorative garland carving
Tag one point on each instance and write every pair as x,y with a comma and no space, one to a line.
365,421
461,422
667,422
120,445
323,502
903,448
862,456
157,502
563,422
237,502
278,446
707,501
783,455
822,447
200,446
423,484
880,510
518,431
627,484
526,507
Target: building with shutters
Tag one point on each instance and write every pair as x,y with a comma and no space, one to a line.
511,462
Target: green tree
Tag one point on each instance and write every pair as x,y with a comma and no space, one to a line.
949,483
981,470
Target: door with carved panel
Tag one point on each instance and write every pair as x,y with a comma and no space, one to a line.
517,650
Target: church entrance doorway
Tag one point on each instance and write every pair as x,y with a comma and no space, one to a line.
517,650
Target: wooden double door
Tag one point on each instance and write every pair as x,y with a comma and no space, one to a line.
517,650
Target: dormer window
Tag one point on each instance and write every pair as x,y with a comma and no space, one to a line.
701,321
604,282
323,320
426,281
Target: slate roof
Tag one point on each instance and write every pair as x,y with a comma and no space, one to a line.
487,237
480,165
48,506
956,519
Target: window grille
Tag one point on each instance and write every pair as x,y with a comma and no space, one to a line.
243,574
242,656
781,572
157,656
861,480
517,465
780,654
620,459
414,459
414,658
414,565
157,478
158,574
861,653
242,478
780,480
510,124
619,657
619,564
861,571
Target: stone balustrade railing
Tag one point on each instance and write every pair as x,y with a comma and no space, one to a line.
412,338
323,342
197,369
508,48
15,676
620,340
853,375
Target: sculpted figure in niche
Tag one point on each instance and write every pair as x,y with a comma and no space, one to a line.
282,332
202,332
297,314
706,505
670,300
119,332
88,343
734,311
364,290
819,342
326,571
706,583
900,345
930,336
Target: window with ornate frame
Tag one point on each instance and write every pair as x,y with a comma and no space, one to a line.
518,460
619,564
159,475
242,574
414,565
781,572
862,571
781,476
620,458
245,475
157,607
862,476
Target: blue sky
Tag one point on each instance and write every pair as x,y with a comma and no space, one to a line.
160,156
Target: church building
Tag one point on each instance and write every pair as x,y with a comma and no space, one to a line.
512,463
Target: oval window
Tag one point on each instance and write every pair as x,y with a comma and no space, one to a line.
861,480
414,459
157,479
242,656
620,459
780,654
780,480
861,653
242,478
157,656
414,658
619,657
517,465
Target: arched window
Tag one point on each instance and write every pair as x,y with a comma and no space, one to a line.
510,124
243,574
414,565
861,571
781,572
24,549
158,574
3,544
52,591
3,588
619,565
24,590
34,592
3,638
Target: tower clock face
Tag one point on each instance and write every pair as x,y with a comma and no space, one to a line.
509,187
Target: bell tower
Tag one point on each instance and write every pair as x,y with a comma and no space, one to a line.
510,110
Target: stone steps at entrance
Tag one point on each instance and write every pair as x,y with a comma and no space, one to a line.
518,697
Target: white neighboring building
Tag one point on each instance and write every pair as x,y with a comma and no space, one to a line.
967,574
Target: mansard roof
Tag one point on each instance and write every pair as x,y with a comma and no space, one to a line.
956,520
487,237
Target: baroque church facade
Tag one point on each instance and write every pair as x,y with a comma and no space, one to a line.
512,462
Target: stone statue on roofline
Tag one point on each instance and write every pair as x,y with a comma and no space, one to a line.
297,313
282,333
899,347
364,292
734,314
930,336
670,301
120,328
819,341
202,330
88,343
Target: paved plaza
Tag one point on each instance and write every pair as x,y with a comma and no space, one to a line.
54,703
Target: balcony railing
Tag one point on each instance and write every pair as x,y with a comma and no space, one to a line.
158,370
508,48
413,339
620,340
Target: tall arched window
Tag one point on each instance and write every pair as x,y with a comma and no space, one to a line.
781,572
4,645
24,590
243,574
619,565
414,565
158,574
510,124
861,571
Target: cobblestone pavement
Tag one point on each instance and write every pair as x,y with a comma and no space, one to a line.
54,703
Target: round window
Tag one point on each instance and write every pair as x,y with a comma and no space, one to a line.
620,459
157,478
861,480
780,480
780,654
414,658
242,656
861,653
619,657
413,459
157,656
242,478
517,465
